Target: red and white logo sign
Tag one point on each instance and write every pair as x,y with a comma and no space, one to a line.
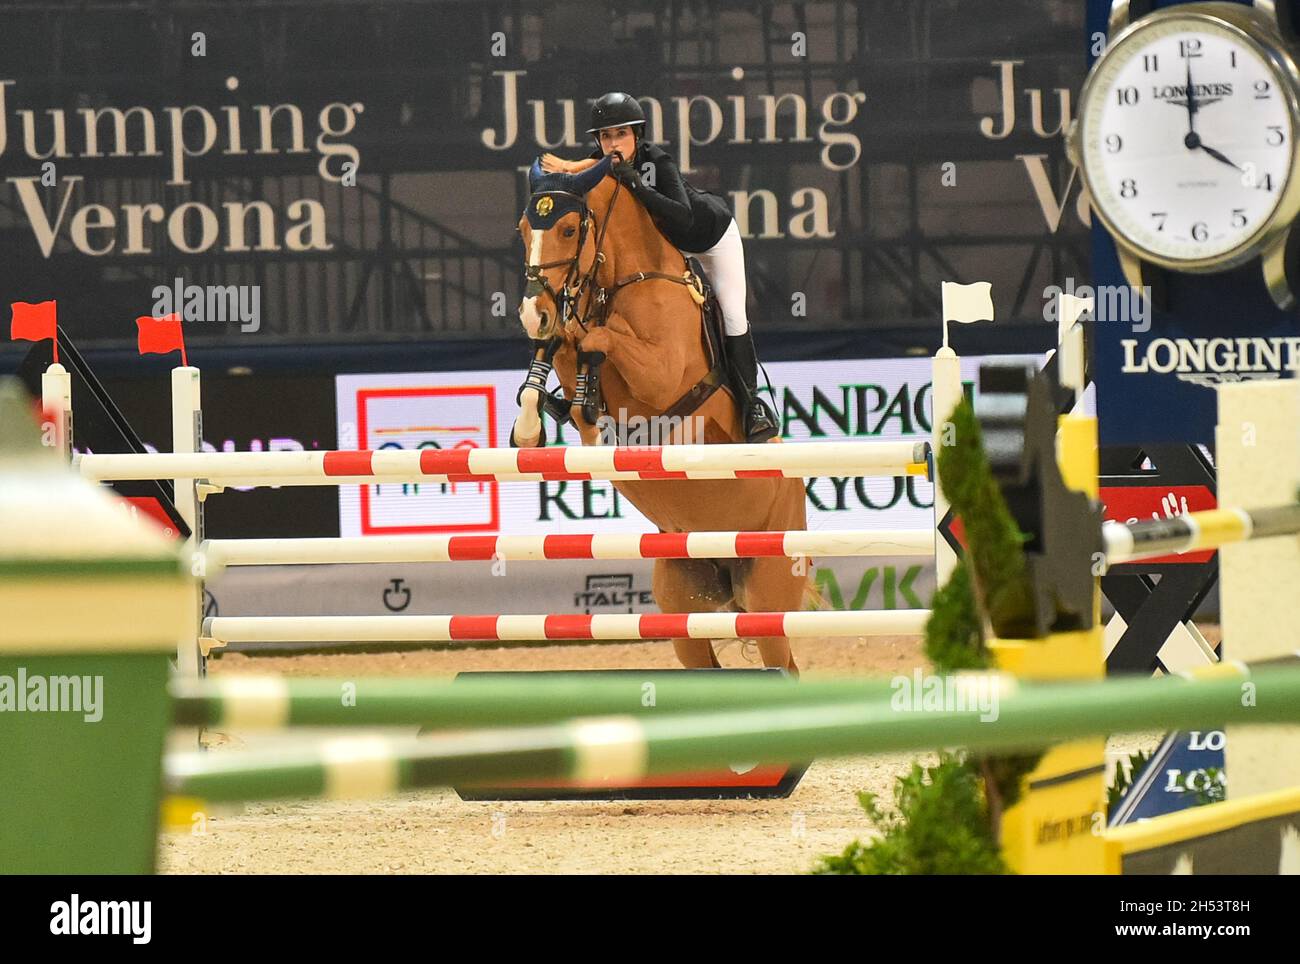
439,417
1143,503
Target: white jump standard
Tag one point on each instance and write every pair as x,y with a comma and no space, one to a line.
197,475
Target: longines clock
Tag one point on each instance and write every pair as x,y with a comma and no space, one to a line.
1187,141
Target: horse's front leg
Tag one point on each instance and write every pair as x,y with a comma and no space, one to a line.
528,430
652,370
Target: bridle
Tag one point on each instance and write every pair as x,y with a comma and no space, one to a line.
572,288
599,300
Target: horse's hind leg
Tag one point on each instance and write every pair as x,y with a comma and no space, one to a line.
776,653
771,584
691,586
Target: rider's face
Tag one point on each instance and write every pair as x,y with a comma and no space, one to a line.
618,139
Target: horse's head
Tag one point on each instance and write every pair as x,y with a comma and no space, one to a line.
558,234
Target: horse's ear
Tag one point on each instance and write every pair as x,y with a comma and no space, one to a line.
584,182
535,172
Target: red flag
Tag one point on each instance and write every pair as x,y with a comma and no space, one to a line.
158,336
35,323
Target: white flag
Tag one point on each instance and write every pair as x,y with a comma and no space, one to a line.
1071,368
1068,311
967,303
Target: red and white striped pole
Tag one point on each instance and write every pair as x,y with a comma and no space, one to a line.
443,628
221,553
575,463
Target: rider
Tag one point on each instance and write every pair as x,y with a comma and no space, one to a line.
695,222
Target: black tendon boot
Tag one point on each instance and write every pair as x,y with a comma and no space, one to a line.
742,365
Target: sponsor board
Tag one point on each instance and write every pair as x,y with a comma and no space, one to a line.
1186,770
590,587
826,400
451,416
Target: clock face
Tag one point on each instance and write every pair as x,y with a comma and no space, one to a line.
1187,172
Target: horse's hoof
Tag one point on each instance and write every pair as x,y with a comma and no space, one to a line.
538,441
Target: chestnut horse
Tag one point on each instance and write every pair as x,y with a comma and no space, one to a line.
609,295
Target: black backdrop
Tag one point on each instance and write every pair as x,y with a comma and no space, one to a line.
929,181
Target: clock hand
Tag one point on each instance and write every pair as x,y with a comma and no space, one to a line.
1191,100
1219,157
1193,142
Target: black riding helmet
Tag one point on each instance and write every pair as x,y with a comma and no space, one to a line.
616,109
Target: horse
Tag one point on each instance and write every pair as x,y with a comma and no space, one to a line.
614,309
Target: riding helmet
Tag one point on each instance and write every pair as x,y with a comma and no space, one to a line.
615,109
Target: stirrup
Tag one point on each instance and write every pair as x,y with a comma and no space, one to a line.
759,421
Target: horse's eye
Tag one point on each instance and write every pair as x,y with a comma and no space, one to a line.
569,232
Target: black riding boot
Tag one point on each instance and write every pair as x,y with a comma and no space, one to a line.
742,365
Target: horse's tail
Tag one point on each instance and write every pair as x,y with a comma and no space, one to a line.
812,596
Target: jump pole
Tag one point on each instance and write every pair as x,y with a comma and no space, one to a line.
616,626
1197,531
221,553
278,702
733,461
594,750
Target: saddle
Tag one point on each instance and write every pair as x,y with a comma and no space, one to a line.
714,352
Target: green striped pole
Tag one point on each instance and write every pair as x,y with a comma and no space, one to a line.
592,750
275,702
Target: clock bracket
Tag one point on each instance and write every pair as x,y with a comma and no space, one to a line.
1281,15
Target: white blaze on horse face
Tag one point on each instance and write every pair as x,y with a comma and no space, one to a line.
530,317
529,314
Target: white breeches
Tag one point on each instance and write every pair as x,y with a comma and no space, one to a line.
724,263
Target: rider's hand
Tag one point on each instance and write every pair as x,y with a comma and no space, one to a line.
627,174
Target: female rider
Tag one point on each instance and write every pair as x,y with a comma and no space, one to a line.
695,222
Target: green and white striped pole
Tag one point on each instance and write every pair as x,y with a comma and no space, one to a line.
590,751
275,702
